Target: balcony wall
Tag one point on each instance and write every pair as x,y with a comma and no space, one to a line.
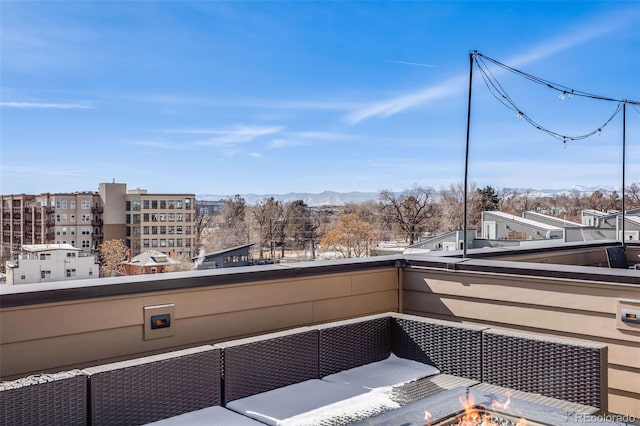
58,326
564,301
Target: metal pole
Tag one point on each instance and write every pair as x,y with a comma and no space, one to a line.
624,148
466,158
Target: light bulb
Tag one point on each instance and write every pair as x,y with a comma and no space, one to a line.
562,96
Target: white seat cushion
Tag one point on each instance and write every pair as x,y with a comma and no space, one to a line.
210,416
392,371
274,407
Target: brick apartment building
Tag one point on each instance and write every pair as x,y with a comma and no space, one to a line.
164,222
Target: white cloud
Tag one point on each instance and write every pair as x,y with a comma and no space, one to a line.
232,136
160,144
45,105
284,143
582,33
321,135
255,154
413,63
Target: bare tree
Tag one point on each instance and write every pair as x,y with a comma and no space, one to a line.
112,254
632,196
413,210
269,220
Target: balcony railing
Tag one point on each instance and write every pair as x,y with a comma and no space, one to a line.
97,209
49,210
50,236
97,222
97,235
50,222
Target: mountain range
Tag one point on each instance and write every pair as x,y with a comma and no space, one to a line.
333,198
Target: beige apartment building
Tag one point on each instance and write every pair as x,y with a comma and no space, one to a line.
161,222
164,222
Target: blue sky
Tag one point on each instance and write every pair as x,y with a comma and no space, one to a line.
273,97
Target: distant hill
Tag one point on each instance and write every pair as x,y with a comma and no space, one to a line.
333,198
330,198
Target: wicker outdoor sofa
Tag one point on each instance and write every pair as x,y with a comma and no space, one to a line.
207,380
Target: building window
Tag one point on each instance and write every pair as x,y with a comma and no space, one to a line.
64,204
171,204
45,256
90,272
145,204
145,217
171,230
188,230
179,204
136,219
179,230
127,232
188,217
71,273
72,218
145,230
64,218
64,230
57,218
86,230
179,242
145,243
127,218
154,270
72,204
170,242
86,244
136,206
154,204
86,217
154,230
179,217
58,204
71,254
154,243
163,217
136,231
45,274
23,277
172,217
163,242
154,217
187,203
163,230
85,204
127,205
163,204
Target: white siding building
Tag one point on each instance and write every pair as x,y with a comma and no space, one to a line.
39,263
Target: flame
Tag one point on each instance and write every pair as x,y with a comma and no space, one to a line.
473,417
505,406
428,416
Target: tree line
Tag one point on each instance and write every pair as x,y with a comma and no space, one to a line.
353,229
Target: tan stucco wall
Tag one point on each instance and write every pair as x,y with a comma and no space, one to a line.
59,336
568,308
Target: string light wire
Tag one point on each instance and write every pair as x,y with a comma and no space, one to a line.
498,92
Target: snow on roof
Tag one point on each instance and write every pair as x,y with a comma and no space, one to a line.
43,247
151,258
523,221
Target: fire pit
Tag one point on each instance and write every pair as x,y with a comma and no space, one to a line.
468,406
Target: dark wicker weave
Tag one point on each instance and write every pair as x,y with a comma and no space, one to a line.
267,362
152,388
555,368
451,347
47,399
352,343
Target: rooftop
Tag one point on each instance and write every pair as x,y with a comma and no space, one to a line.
563,292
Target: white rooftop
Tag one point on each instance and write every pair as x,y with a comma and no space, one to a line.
44,247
